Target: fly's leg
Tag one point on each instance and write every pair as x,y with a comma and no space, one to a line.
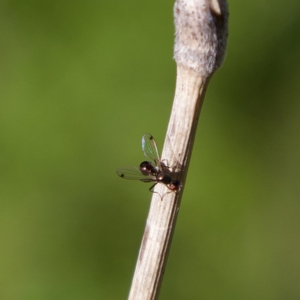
152,187
152,190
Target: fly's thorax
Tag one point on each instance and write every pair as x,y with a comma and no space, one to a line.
164,178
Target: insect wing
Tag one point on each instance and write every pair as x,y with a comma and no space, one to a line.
149,148
134,173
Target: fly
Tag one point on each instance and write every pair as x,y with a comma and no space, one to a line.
152,170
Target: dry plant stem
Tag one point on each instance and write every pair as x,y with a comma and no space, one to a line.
190,88
199,51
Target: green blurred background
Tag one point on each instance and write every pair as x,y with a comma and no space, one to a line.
81,82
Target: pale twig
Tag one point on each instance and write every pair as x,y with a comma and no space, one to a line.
201,35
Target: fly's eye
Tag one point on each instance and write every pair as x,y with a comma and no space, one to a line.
176,182
174,185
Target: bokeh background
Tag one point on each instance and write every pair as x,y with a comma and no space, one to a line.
81,82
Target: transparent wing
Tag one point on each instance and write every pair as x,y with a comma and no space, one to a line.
134,173
149,148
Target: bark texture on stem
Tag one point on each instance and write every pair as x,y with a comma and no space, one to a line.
201,34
